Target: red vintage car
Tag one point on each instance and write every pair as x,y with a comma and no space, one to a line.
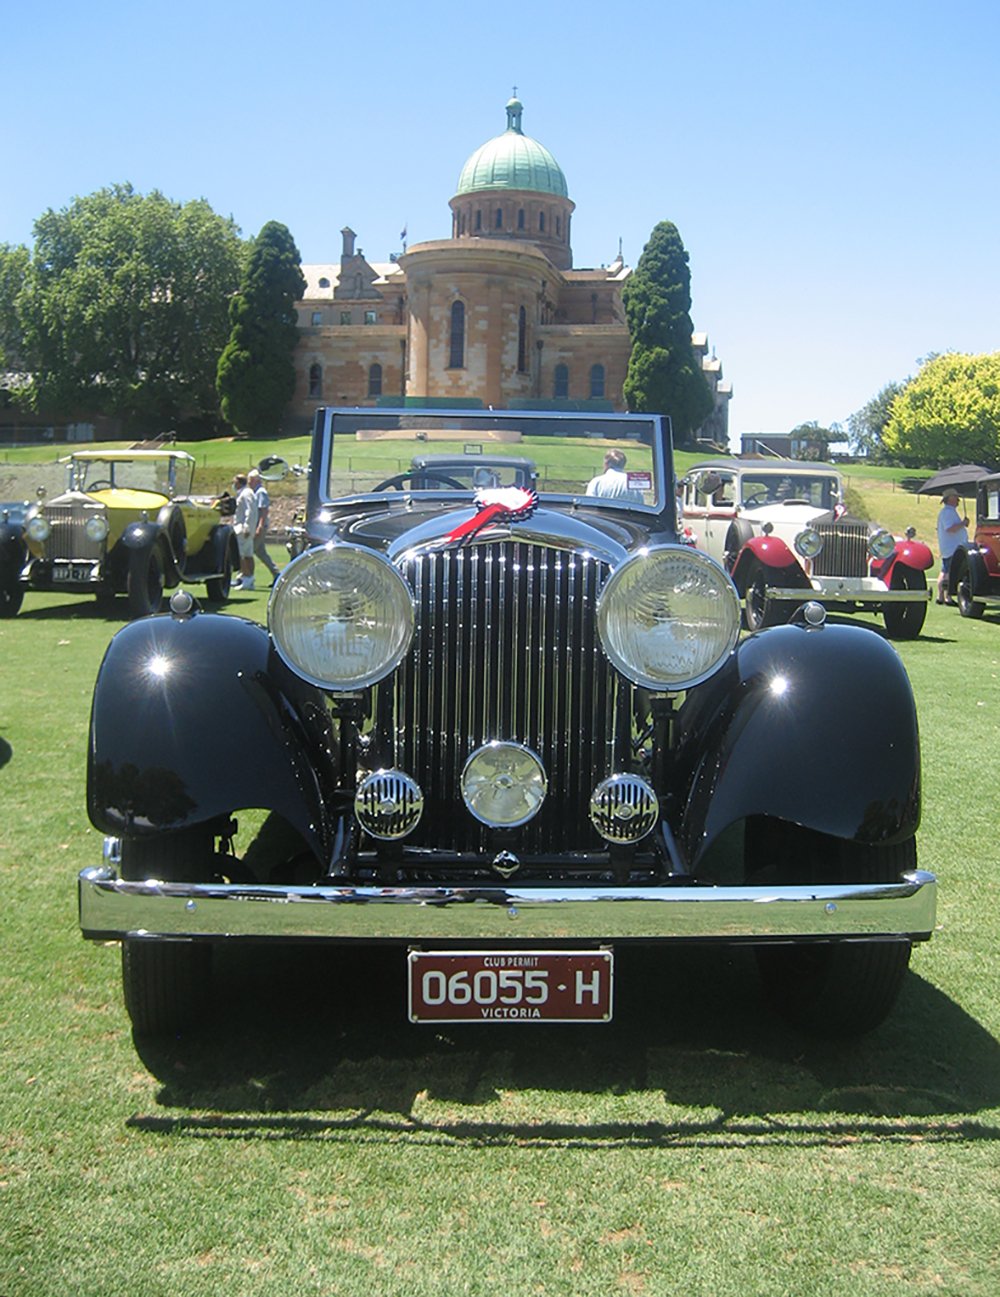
974,574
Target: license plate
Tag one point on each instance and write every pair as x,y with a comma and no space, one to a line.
510,986
72,571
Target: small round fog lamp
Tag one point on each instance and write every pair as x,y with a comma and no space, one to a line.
504,784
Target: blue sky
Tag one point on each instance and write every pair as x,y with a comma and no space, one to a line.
832,169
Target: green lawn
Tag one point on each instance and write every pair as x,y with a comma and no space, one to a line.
315,1142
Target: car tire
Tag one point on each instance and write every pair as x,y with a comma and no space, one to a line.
144,583
829,989
217,588
968,606
11,598
757,610
906,620
166,985
736,537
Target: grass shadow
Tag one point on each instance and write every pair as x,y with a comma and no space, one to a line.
326,1032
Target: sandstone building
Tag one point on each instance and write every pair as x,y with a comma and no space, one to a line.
495,315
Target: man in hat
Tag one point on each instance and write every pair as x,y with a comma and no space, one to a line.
951,536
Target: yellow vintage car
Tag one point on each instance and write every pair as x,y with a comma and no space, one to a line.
128,524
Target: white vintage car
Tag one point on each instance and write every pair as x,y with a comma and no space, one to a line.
781,529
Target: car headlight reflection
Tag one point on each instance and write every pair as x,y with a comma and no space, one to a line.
808,543
882,544
341,617
668,617
503,784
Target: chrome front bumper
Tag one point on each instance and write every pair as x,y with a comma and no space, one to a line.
111,908
868,589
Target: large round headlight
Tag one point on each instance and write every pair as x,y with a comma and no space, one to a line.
808,542
504,784
96,527
341,617
38,528
668,617
882,544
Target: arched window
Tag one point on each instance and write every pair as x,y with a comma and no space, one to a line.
596,380
520,219
479,220
324,283
315,380
541,222
499,218
375,379
522,341
456,347
560,382
558,227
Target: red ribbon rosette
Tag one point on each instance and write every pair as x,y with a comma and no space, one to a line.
496,504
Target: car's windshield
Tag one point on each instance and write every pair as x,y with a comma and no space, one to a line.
822,490
617,460
166,475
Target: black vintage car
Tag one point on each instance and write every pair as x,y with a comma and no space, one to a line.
506,732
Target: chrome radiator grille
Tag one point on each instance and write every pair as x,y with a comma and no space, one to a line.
507,648
844,552
68,539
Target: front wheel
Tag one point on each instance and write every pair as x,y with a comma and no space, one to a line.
11,598
906,620
144,584
166,985
968,606
832,989
758,610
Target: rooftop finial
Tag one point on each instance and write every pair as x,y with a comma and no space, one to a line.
514,109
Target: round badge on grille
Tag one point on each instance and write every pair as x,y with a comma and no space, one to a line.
624,808
388,804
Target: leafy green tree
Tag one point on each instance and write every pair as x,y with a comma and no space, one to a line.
125,306
866,427
663,372
949,413
256,374
13,269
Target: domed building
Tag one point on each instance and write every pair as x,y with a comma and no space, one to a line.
495,315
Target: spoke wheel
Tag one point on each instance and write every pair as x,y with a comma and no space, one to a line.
167,984
759,611
968,606
832,989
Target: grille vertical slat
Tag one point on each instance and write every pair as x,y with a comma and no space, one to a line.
68,539
506,647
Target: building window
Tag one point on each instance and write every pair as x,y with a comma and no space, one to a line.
456,348
375,379
371,317
520,219
345,317
596,380
324,283
479,220
317,318
499,218
560,384
316,380
522,341
558,227
541,222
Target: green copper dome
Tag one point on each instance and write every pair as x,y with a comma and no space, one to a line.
512,160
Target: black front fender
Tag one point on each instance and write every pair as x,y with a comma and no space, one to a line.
196,717
814,726
13,551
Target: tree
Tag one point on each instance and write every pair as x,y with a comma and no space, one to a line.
13,268
866,427
663,373
256,373
949,413
124,307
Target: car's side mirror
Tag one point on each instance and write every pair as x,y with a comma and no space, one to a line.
273,468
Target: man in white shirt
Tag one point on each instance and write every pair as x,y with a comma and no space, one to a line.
951,536
245,527
612,484
256,484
